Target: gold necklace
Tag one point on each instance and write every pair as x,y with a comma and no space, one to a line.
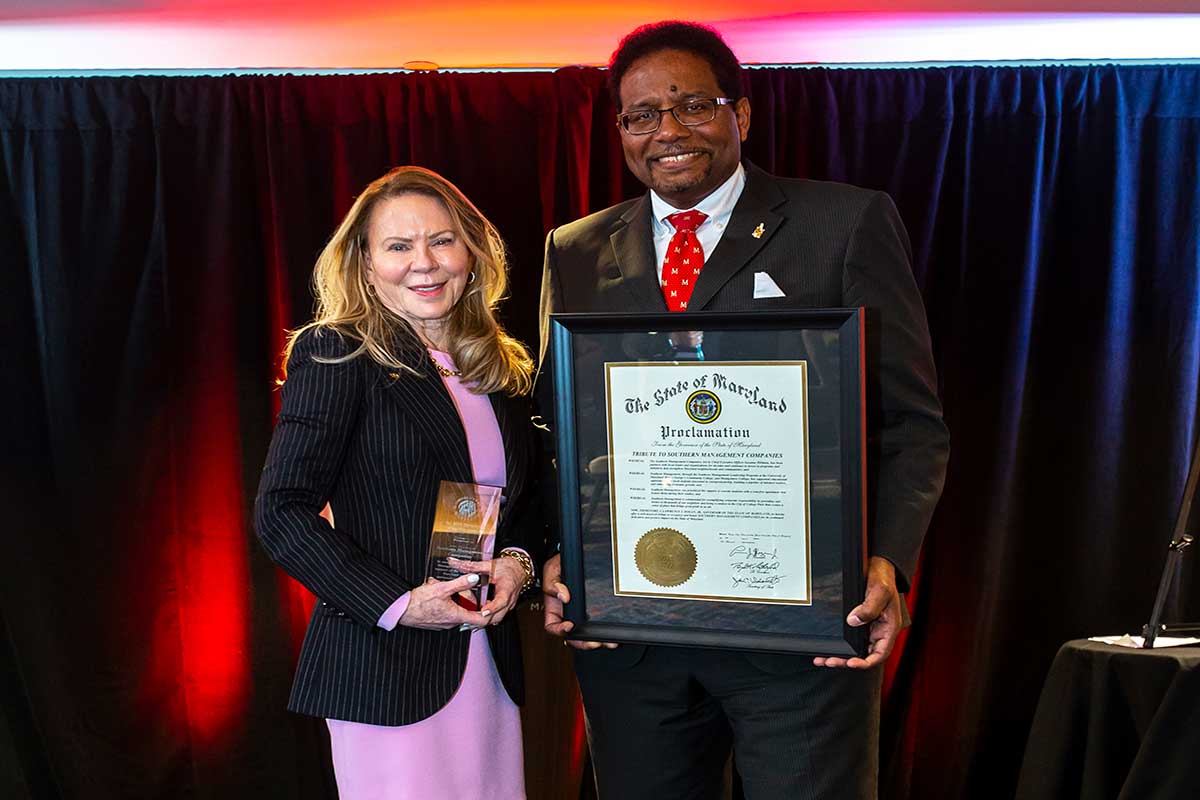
445,372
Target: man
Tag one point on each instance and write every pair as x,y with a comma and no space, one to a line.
662,719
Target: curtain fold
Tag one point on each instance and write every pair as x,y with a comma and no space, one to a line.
158,235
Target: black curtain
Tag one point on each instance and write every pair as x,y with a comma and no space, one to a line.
157,236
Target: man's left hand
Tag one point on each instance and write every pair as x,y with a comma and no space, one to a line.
880,609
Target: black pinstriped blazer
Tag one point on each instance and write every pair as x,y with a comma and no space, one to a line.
375,443
826,245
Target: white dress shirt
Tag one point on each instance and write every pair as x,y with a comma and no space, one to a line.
718,206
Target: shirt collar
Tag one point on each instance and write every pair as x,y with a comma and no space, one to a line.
718,204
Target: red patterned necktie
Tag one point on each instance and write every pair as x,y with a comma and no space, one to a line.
685,259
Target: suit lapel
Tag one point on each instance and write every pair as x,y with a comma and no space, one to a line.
739,244
633,249
424,397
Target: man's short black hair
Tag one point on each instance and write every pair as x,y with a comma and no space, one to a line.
691,37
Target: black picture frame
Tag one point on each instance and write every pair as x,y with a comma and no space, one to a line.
832,341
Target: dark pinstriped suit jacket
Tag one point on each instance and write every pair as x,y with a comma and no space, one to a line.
826,245
375,443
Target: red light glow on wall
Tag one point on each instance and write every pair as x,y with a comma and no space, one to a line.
212,569
371,34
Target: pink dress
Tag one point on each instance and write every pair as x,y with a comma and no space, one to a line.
471,748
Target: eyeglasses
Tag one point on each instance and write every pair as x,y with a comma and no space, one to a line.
696,111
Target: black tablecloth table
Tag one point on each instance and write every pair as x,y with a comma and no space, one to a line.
1116,723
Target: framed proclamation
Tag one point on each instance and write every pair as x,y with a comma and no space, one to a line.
712,480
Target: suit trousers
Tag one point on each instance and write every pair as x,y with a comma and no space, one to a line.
661,728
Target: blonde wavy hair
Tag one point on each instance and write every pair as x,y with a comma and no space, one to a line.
490,359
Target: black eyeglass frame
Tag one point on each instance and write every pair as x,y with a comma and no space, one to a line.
719,101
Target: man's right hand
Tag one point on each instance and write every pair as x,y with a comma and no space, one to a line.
556,594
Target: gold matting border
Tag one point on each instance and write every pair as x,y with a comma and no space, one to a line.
612,496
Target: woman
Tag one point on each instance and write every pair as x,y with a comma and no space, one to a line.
403,380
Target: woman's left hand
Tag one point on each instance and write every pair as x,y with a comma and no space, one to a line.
506,575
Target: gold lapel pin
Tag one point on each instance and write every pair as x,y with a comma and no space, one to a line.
759,231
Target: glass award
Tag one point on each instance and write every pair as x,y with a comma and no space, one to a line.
464,528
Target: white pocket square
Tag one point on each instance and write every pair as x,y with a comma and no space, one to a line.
765,287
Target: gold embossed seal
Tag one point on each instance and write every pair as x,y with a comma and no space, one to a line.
665,557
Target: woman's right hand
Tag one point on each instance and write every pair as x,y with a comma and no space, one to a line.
431,606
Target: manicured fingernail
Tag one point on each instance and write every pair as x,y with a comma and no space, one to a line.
487,613
472,579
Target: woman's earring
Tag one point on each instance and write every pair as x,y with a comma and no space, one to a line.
471,277
371,289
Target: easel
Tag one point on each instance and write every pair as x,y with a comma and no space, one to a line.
1179,542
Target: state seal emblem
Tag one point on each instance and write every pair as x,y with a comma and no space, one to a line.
665,557
703,406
